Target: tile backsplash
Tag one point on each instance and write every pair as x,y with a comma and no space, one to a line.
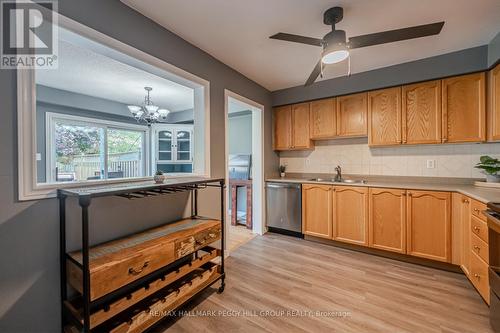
355,157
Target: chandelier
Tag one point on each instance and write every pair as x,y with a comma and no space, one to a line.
148,112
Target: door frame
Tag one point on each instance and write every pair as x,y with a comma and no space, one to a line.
258,193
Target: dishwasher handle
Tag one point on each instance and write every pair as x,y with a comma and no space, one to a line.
282,185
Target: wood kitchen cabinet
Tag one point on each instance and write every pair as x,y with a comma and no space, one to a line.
421,104
291,127
283,127
384,117
494,104
429,225
461,231
350,214
463,108
317,210
322,120
300,126
352,112
387,219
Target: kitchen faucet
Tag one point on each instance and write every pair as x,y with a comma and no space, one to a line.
338,176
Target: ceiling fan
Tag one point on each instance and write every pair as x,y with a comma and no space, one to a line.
336,47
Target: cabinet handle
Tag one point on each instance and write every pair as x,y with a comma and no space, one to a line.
132,271
476,210
477,276
476,228
477,248
465,201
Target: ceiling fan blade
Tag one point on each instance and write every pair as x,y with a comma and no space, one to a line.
395,35
298,39
314,75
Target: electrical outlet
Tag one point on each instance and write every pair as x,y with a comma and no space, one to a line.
431,164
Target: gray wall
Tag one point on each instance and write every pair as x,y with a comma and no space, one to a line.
29,260
494,50
460,62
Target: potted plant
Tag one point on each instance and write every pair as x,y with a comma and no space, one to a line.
490,167
282,170
159,177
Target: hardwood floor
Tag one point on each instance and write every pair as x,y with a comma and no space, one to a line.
275,272
237,236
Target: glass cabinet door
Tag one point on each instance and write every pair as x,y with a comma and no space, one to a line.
183,145
165,146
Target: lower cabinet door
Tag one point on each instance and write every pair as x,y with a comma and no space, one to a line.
429,225
350,214
317,210
387,219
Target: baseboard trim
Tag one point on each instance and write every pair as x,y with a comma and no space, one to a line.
386,254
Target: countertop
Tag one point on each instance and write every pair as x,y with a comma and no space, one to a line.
484,195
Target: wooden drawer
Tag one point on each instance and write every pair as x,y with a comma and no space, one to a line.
201,239
112,309
117,263
477,208
479,276
480,248
479,228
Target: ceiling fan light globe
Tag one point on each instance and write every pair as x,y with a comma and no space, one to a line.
334,57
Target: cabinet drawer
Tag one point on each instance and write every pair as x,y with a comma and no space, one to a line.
477,209
479,276
115,264
195,242
480,248
479,228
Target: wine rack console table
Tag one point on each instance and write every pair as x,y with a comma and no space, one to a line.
123,285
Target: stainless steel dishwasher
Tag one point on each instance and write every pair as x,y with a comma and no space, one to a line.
284,208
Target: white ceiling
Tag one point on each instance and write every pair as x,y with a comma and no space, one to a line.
236,32
83,71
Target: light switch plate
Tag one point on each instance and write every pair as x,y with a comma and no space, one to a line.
431,164
38,156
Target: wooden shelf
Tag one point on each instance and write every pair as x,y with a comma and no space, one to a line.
98,317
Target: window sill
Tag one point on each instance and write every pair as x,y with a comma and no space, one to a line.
47,191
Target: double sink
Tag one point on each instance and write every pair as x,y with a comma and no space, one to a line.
333,180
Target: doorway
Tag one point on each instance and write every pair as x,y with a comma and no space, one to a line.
244,169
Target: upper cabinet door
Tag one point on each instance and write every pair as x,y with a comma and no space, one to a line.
422,113
429,225
464,111
322,120
352,111
350,214
494,104
283,127
300,126
384,117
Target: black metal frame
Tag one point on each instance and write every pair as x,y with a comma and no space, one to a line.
129,191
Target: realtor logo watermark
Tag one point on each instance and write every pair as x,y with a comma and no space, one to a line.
29,34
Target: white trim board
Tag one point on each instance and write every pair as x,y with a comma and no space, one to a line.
258,193
28,188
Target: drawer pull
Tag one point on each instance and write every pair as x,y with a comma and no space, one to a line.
476,210
466,201
476,228
132,270
477,248
477,276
